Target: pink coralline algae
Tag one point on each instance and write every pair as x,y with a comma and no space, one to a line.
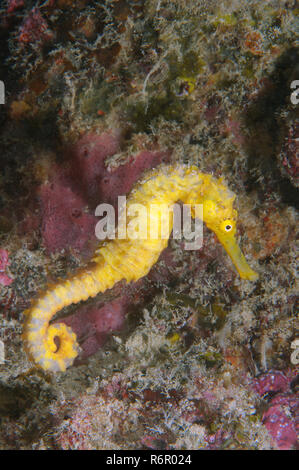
34,29
14,5
4,262
92,324
282,416
64,220
87,163
271,382
281,420
76,188
121,180
98,183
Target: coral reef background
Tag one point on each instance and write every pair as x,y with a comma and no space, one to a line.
96,92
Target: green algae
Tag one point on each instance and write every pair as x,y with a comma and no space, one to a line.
97,99
167,101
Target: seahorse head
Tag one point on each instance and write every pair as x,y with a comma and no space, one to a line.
220,216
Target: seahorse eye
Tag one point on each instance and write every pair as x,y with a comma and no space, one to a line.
227,225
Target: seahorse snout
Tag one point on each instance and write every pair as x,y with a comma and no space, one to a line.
233,250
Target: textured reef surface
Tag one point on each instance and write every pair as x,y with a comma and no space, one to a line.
96,93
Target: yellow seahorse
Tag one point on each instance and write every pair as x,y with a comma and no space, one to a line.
54,347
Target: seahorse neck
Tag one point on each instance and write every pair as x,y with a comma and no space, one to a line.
193,186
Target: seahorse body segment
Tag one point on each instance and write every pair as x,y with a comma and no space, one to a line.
54,346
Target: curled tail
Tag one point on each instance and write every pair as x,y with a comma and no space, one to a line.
54,347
